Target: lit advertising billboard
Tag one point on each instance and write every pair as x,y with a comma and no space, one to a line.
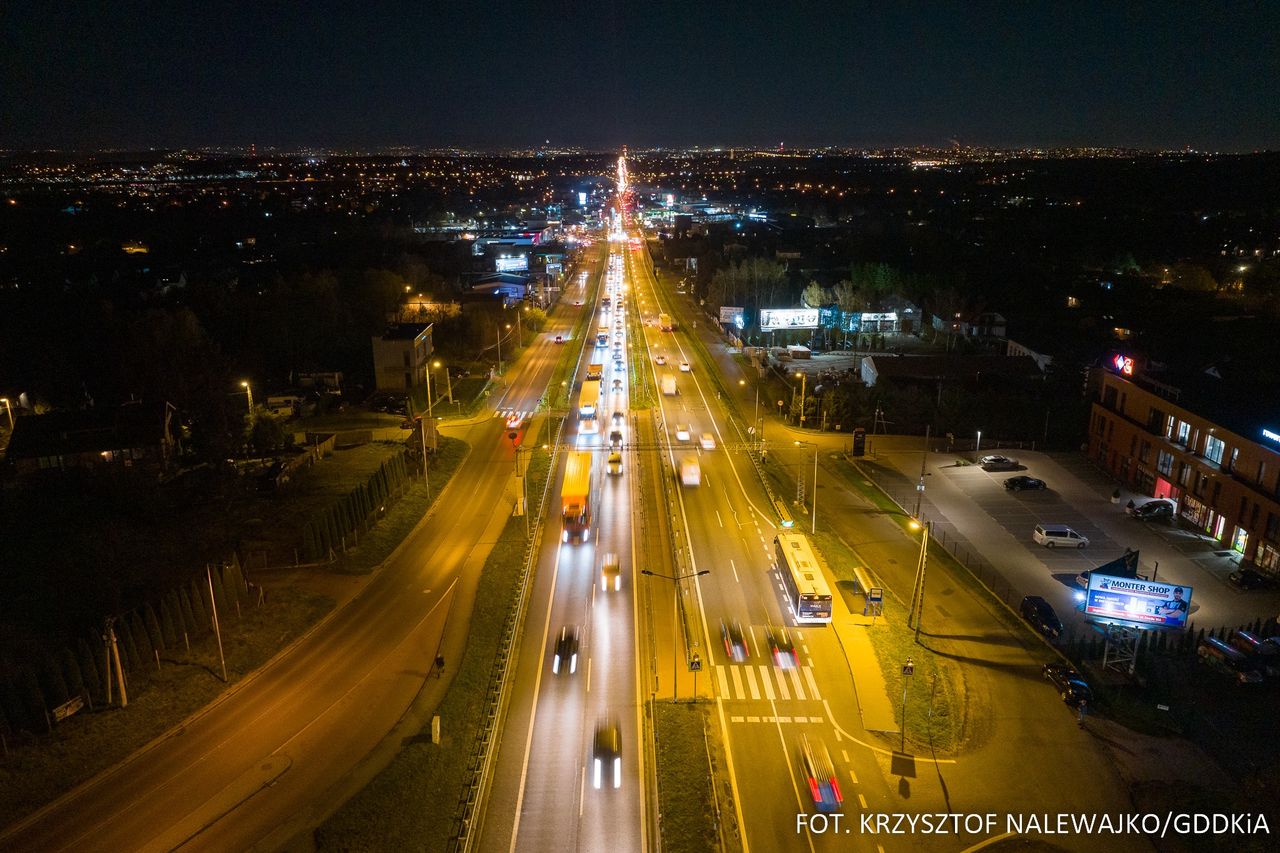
731,315
1154,603
788,318
506,264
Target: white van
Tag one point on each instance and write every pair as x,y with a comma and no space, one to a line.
1058,536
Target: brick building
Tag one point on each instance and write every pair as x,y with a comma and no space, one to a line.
1213,449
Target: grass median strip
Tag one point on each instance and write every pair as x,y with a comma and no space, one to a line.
411,804
685,786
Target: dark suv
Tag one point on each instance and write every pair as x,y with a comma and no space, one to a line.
1039,613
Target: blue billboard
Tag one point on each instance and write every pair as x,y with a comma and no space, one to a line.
1141,602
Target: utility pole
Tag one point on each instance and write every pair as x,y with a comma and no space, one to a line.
924,458
803,376
217,629
815,491
113,661
917,592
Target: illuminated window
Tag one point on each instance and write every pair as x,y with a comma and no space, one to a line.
1213,448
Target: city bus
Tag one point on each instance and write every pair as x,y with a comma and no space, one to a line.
806,587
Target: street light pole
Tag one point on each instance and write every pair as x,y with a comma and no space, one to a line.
802,376
924,458
917,591
814,531
977,448
8,409
675,619
248,390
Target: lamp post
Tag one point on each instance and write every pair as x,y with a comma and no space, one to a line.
977,448
802,377
917,591
8,408
924,458
248,389
675,619
448,380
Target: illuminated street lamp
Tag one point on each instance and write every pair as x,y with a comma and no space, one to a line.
675,619
8,409
802,377
248,389
448,380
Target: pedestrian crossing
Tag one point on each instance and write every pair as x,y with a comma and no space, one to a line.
743,718
756,681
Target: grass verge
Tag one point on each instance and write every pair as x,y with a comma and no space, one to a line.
685,787
88,743
405,513
411,804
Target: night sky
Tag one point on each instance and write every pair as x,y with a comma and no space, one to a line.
600,74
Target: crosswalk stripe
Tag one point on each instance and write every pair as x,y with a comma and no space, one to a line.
813,685
724,682
795,682
766,682
737,682
751,682
782,688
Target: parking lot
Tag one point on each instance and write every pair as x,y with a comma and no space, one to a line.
992,527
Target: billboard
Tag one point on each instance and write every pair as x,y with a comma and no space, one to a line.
509,264
1141,602
788,318
731,315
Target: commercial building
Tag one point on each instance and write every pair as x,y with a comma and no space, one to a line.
1211,447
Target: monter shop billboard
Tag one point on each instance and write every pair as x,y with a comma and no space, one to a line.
788,318
1155,603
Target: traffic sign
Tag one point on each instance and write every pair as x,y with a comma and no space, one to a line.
909,668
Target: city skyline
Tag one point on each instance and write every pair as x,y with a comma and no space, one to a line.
570,75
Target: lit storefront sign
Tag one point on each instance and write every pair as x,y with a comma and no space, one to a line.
1123,364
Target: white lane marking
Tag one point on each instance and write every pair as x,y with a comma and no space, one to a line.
795,684
845,753
588,675
766,682
782,688
755,647
737,682
582,790
724,683
719,519
813,685
731,565
862,801
751,682
853,776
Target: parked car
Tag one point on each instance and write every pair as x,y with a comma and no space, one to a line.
1159,508
735,646
1071,685
1058,536
1249,579
996,462
1021,482
1041,616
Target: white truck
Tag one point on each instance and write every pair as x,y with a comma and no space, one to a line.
668,384
690,471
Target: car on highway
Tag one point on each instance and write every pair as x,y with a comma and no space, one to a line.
996,462
617,385
735,644
614,463
685,367
820,775
565,657
515,420
618,366
1041,616
618,417
1249,579
615,438
1158,509
1070,684
781,647
606,755
1022,482
610,573
660,359
559,339
708,441
682,432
